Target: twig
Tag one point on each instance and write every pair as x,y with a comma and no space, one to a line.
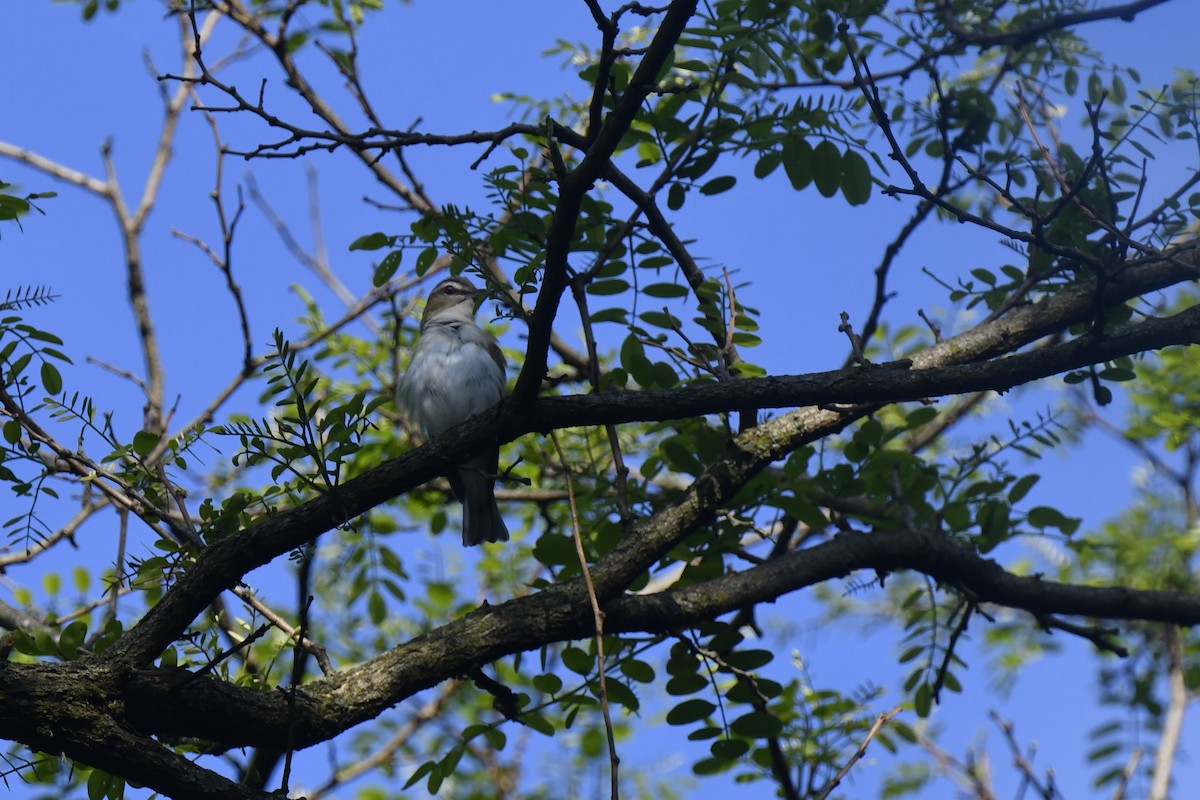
1024,763
855,342
880,721
890,253
973,775
597,615
579,292
1179,698
933,326
316,261
1102,638
66,531
313,648
960,627
230,651
1127,774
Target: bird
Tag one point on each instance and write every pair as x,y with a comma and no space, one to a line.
456,371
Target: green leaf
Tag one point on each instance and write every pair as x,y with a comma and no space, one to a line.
539,723
1022,487
729,749
97,785
144,442
112,632
638,671
665,290
1117,374
51,380
609,287
710,766
923,700
633,359
690,711
372,241
13,205
676,194
718,185
71,638
827,168
425,260
664,375
1071,81
856,178
993,519
984,275
798,161
610,315
555,550
420,773
659,319
744,369
757,725
24,643
1046,517
549,683
767,164
296,41
656,262
387,268
920,416
622,695
686,684
577,660
376,607
749,659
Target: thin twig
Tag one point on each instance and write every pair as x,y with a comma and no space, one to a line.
597,615
313,648
855,342
880,721
1127,774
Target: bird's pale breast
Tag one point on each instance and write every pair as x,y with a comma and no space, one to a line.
452,377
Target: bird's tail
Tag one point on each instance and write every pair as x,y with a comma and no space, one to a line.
482,521
481,516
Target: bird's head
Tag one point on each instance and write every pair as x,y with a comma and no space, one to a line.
453,298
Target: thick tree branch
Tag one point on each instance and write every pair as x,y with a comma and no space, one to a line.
104,709
69,708
941,556
223,564
329,706
177,703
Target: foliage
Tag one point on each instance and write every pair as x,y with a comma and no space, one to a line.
686,484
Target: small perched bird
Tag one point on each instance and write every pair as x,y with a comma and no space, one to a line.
457,371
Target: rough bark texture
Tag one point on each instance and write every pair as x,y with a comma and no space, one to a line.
104,710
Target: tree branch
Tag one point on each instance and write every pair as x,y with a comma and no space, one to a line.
577,183
170,702
223,564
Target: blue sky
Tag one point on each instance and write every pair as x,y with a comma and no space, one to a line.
78,85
